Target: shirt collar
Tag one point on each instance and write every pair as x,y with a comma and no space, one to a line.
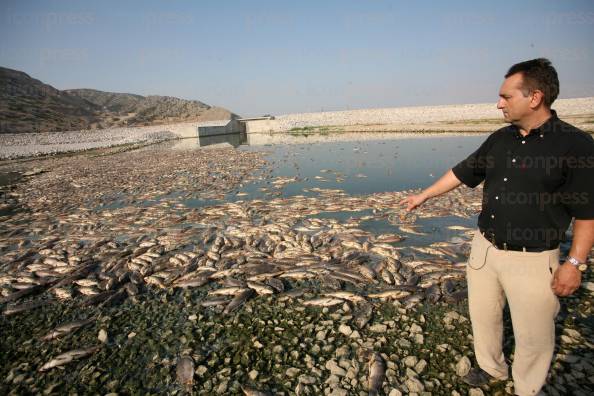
543,130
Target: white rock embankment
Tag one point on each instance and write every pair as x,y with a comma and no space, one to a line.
34,144
418,114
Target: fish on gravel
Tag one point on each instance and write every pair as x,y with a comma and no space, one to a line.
249,391
12,309
184,371
238,300
66,328
362,314
377,373
323,302
68,357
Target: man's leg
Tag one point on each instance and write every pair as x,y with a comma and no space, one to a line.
526,280
486,301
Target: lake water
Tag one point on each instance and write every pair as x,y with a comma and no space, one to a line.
356,163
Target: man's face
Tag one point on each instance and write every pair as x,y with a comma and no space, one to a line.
512,102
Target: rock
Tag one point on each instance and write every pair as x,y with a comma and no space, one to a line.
378,328
321,335
102,336
200,370
463,366
410,361
332,380
306,379
292,372
420,366
257,344
345,363
355,335
253,375
415,328
345,329
335,368
131,335
476,392
419,339
342,351
339,392
410,373
414,385
394,392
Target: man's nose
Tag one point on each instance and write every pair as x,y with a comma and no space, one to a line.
500,104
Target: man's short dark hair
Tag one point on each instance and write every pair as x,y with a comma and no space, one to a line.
539,74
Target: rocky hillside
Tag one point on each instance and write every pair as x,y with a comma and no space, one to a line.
29,105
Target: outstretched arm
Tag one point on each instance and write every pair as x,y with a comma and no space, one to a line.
446,183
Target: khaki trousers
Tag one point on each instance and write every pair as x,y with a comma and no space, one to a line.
524,279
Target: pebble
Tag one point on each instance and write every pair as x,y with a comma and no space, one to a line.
463,366
334,368
414,385
410,361
102,336
253,375
345,329
378,328
292,372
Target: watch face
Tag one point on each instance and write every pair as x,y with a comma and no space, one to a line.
582,267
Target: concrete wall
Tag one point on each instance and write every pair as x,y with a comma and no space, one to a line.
261,126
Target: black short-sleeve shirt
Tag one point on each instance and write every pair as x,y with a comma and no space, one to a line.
534,184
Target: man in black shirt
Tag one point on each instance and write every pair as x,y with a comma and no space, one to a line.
538,175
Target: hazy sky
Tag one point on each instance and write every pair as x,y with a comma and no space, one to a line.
257,57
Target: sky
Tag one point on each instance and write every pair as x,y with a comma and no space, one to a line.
278,57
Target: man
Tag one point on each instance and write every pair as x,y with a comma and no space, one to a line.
538,174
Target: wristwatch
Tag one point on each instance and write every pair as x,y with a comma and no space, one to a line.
576,263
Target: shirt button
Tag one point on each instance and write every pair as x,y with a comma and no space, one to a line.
513,160
541,135
523,142
492,216
505,179
497,197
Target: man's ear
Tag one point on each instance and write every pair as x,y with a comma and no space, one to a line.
536,99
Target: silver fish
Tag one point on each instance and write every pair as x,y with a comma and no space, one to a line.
68,357
66,328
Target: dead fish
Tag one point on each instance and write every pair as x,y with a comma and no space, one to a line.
248,391
185,371
260,288
412,300
362,314
392,293
21,293
12,309
227,291
66,329
345,295
377,373
456,297
211,302
192,282
238,300
433,294
68,357
295,293
323,302
276,284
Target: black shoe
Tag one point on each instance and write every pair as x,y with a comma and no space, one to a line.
477,377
